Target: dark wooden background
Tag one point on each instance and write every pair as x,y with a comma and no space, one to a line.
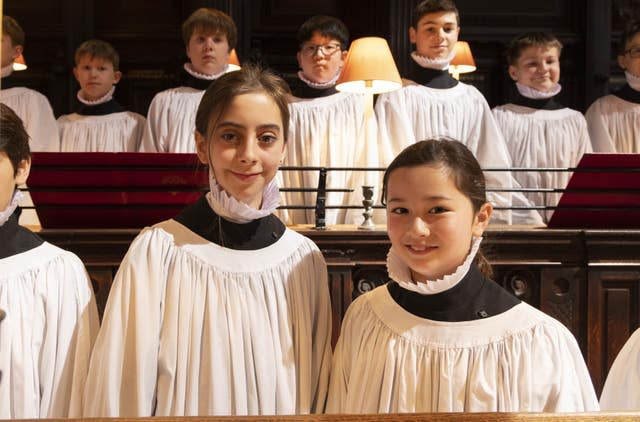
147,36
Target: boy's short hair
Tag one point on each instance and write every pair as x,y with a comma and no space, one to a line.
433,6
12,28
14,140
631,28
98,49
529,39
210,20
327,26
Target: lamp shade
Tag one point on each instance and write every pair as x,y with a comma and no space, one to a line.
233,62
369,68
19,63
463,60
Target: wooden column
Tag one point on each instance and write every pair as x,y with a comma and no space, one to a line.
598,49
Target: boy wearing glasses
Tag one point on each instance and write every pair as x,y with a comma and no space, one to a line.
614,120
327,127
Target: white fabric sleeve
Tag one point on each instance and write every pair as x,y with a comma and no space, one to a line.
620,391
123,372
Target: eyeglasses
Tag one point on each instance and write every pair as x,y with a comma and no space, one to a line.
634,52
326,49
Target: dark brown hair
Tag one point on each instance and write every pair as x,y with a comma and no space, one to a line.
210,20
327,26
529,39
460,164
631,28
12,28
249,79
14,140
98,49
433,6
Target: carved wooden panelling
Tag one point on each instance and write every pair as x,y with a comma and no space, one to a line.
613,314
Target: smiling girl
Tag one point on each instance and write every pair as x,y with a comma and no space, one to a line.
441,336
221,310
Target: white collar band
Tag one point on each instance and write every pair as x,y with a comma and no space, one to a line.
534,94
229,208
320,85
632,80
8,212
105,98
437,64
190,70
401,273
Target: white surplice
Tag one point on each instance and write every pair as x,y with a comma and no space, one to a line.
415,112
171,121
614,125
388,360
115,132
48,333
621,389
329,131
36,114
193,328
543,138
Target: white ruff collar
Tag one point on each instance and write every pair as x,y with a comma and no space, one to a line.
190,70
6,71
632,80
7,212
105,98
437,64
534,94
320,85
401,273
229,208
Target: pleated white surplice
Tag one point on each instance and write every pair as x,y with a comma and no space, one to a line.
614,125
329,131
48,333
543,139
115,132
171,121
414,113
193,328
620,391
36,114
389,361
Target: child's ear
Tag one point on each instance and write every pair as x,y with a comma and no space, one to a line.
621,62
412,35
481,220
116,76
513,73
202,147
17,50
22,172
75,73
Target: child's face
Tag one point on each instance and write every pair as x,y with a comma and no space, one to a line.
9,51
318,65
96,76
430,222
246,147
538,67
8,181
436,35
627,61
208,51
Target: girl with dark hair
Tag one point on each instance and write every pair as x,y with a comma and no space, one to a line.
221,310
51,316
441,336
